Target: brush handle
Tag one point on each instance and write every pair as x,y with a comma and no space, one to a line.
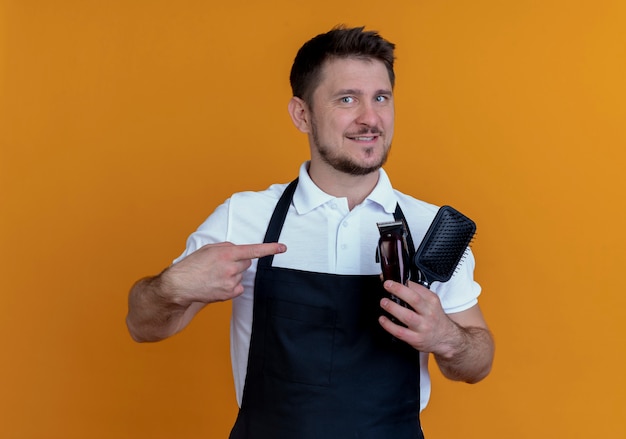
421,279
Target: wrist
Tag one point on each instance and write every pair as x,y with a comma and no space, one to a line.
167,291
453,344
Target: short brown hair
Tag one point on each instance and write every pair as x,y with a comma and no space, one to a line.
339,42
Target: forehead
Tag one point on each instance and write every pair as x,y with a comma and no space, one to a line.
353,73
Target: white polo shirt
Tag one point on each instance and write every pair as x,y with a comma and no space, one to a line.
326,238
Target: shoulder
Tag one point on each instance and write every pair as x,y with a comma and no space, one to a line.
419,214
240,219
415,204
269,195
254,206
247,214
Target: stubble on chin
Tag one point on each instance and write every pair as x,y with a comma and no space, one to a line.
346,164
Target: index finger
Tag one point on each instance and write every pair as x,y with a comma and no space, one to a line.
254,251
406,292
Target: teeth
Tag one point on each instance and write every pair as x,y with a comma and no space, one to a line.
364,138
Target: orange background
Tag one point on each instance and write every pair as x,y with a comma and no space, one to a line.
124,123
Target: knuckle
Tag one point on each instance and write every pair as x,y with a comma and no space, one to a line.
411,319
230,271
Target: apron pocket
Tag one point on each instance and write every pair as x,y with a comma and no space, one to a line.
299,342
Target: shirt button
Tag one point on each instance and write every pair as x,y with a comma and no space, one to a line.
333,206
345,224
344,246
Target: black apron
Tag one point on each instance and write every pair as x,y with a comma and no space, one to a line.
320,365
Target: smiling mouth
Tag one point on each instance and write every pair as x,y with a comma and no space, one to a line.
366,134
363,138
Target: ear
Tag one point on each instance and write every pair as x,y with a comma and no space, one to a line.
300,115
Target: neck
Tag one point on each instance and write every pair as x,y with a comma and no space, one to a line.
355,188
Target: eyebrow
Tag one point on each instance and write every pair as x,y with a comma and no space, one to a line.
356,92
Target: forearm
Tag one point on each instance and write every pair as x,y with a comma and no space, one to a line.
468,354
161,306
152,315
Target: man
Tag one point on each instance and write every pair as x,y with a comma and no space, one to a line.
318,348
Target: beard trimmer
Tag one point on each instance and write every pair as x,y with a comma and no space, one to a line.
393,255
444,245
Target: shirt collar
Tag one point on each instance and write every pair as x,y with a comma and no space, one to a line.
308,196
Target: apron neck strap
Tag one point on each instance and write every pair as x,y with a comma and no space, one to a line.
280,213
278,219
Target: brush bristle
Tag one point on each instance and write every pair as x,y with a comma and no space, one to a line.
445,244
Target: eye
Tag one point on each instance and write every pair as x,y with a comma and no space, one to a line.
381,98
347,100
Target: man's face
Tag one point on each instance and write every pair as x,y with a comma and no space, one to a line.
352,116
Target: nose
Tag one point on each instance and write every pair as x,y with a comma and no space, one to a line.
367,115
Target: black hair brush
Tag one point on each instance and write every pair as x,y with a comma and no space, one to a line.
444,246
436,259
439,254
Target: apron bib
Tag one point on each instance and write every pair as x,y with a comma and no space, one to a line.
320,366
